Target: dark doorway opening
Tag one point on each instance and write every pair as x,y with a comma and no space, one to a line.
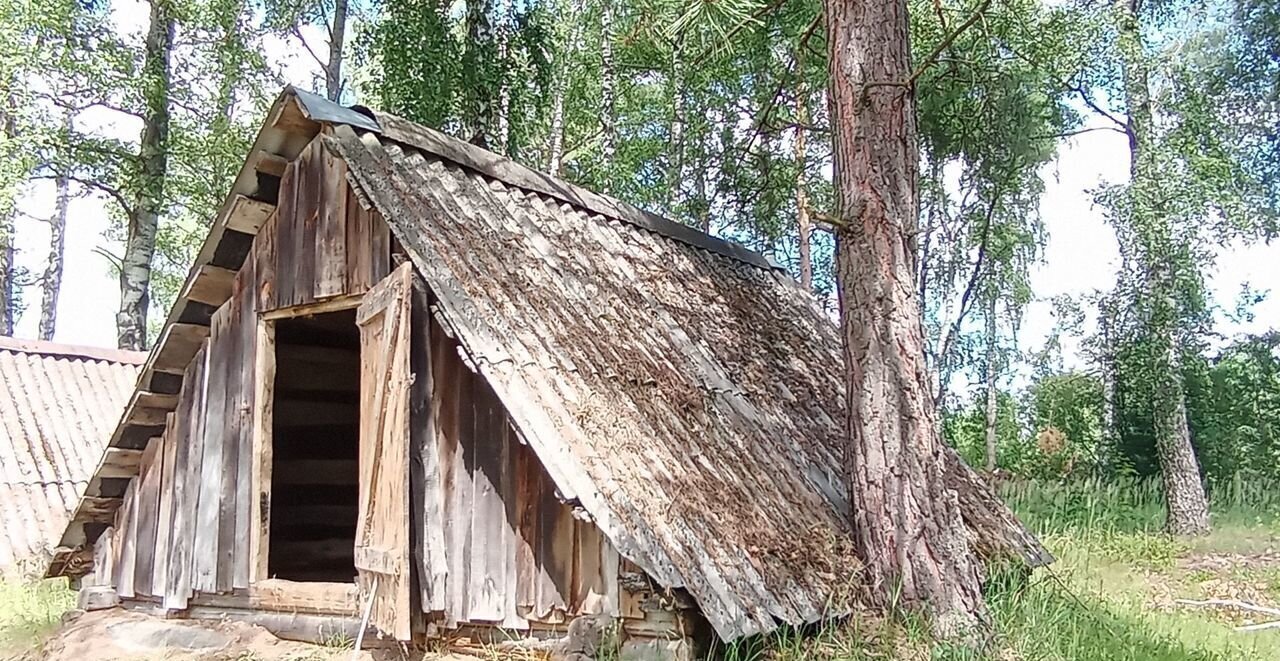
315,448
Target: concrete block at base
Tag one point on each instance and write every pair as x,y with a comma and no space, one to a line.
96,598
657,649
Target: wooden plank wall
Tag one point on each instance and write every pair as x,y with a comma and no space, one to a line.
184,526
513,552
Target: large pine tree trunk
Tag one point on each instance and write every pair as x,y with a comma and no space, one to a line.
140,244
803,224
608,87
51,281
907,525
991,370
337,39
1157,246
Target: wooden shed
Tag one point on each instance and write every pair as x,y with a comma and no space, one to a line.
408,372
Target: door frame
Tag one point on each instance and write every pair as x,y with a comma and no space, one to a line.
265,592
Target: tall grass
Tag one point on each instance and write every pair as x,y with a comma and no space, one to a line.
1130,505
30,608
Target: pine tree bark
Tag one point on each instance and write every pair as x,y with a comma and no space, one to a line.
1188,508
608,86
51,280
991,369
908,527
140,242
337,41
803,224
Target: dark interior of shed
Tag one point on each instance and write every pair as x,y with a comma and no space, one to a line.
315,448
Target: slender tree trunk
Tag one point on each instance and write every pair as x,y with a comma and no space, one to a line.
608,83
140,243
907,525
803,224
675,167
337,38
1183,489
503,130
991,370
1110,435
478,66
51,281
8,270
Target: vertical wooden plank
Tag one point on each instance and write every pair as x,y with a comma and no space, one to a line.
188,469
456,459
128,548
104,559
247,330
382,554
208,502
511,544
164,517
303,253
527,501
260,490
284,241
264,260
555,553
232,356
426,502
331,239
588,577
379,247
357,250
488,574
145,508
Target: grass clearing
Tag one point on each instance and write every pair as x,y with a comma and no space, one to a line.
30,609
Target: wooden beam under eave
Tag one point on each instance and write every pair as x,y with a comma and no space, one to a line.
146,415
95,509
178,346
247,214
156,400
211,286
272,164
120,462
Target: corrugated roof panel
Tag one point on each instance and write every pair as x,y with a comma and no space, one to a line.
646,373
58,406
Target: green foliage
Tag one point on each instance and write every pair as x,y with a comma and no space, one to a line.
31,608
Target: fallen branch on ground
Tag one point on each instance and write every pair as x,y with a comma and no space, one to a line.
1240,605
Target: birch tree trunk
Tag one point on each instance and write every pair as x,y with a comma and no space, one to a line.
675,166
140,243
1185,498
1110,435
8,288
991,369
803,223
608,85
337,39
907,526
51,281
503,130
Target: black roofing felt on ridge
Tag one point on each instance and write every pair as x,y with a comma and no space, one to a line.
321,109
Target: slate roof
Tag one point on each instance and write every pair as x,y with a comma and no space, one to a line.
683,394
58,406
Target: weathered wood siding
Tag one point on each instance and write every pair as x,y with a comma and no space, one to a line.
185,527
494,543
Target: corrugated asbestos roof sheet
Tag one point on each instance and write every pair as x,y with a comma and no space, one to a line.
58,406
682,395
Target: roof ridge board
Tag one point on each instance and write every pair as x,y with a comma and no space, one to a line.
72,351
513,173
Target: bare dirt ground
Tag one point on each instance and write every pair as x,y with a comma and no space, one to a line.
125,635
